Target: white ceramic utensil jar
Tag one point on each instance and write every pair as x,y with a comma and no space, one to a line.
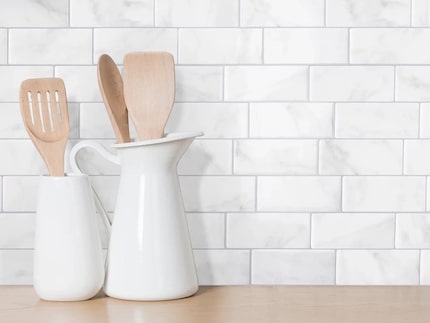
150,255
68,259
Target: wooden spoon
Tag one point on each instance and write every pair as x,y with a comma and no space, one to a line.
112,89
44,110
149,91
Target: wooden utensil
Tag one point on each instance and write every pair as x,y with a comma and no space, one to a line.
149,91
44,110
112,89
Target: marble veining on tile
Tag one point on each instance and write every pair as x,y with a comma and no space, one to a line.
99,13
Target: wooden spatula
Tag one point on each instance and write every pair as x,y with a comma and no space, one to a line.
149,91
112,89
44,110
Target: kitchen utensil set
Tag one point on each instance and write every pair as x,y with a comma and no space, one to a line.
150,255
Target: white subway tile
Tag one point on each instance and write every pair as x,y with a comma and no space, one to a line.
271,157
425,120
298,194
412,83
293,267
266,83
291,120
207,157
106,41
216,120
356,13
282,13
420,13
352,83
29,13
196,13
268,230
94,121
17,230
390,46
11,124
81,82
360,157
306,46
222,267
199,83
13,189
383,193
220,46
22,158
3,46
12,76
100,13
92,163
412,230
353,230
206,230
218,193
417,157
425,267
16,267
50,46
377,267
377,120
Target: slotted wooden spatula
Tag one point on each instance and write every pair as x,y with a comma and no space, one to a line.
112,89
46,118
149,91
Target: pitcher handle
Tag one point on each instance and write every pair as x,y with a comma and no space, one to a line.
75,167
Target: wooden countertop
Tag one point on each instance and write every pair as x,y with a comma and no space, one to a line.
231,304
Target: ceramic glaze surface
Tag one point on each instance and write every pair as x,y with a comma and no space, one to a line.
68,260
150,255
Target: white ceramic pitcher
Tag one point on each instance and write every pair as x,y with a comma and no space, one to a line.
150,255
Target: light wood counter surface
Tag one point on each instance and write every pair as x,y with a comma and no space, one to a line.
246,304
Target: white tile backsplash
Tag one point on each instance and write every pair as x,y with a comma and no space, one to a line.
313,167
99,13
222,267
352,83
33,14
207,230
16,267
218,193
17,230
377,120
377,267
220,46
271,157
298,193
216,120
412,83
266,83
412,230
293,267
276,13
268,230
383,193
390,46
106,40
196,13
353,230
360,157
50,46
420,13
199,83
291,120
364,13
306,46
